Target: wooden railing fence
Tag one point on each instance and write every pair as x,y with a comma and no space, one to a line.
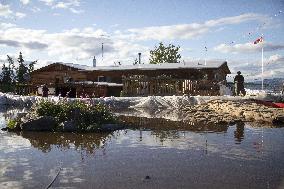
168,86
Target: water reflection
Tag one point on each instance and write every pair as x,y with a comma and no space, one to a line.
162,124
175,154
87,142
169,114
239,132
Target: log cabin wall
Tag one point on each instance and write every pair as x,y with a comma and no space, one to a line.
110,76
59,72
115,76
56,74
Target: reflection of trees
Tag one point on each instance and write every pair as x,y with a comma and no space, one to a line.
163,135
239,132
88,142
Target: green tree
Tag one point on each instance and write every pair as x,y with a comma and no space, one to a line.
31,66
22,69
11,68
5,75
163,54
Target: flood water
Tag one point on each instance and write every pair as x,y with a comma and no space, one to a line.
171,154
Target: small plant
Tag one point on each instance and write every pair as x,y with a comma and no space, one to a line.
11,124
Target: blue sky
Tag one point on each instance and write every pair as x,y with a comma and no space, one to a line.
73,31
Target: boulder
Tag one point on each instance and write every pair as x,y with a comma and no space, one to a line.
44,123
279,121
69,126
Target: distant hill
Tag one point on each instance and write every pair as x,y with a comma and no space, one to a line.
274,84
274,81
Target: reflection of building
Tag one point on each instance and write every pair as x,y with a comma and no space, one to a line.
137,80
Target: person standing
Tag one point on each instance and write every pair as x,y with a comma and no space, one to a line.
239,84
45,91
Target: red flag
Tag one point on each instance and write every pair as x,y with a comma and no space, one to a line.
259,40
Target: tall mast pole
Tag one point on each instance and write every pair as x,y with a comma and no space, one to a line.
102,53
262,68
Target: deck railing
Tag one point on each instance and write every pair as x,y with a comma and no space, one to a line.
168,86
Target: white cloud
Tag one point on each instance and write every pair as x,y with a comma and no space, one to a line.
35,9
5,10
275,58
20,15
273,67
3,58
114,25
25,2
47,2
188,31
80,45
75,11
61,5
6,25
70,5
71,45
56,14
248,47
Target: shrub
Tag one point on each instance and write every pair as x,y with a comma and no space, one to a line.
86,116
11,124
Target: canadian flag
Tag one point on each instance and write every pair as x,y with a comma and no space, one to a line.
259,40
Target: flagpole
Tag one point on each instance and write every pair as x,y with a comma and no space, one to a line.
102,53
205,62
262,68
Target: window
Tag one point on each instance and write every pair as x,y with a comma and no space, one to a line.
101,79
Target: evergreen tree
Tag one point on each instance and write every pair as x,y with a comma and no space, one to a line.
22,69
163,54
32,66
5,75
11,68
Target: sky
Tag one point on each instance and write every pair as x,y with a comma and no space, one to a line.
73,31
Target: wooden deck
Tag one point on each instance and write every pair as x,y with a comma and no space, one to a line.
141,86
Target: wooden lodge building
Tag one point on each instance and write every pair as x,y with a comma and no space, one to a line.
190,78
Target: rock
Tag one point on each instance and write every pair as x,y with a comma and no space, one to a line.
147,177
44,123
69,126
111,127
278,120
5,129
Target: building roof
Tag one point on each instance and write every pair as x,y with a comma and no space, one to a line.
161,66
99,83
78,66
193,65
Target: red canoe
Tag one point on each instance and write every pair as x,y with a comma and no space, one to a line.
271,104
279,104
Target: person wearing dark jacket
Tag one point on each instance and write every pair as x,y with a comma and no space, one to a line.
239,84
45,91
